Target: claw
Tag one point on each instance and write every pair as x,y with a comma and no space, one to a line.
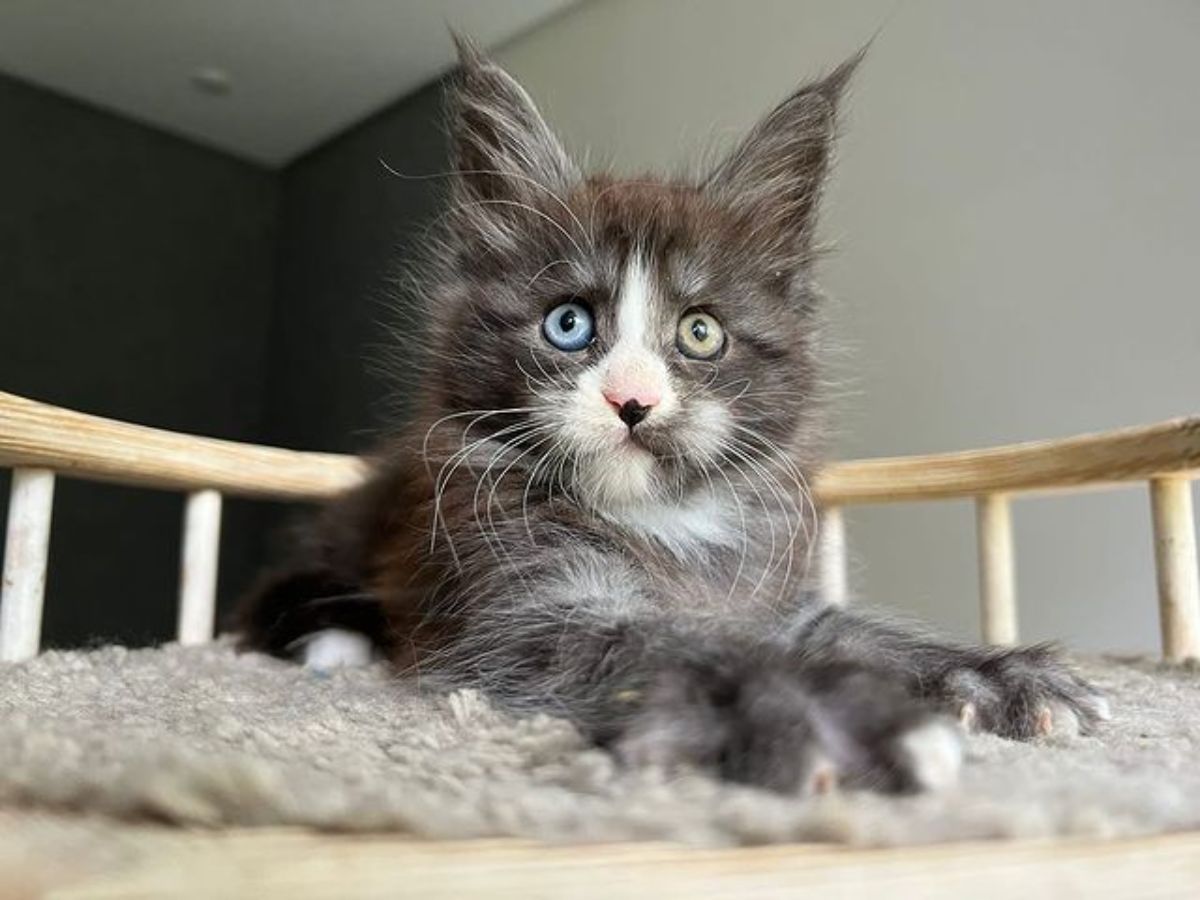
1044,724
823,780
967,715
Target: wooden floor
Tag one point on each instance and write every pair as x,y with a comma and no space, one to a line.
278,863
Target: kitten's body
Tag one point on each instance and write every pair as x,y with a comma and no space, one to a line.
620,531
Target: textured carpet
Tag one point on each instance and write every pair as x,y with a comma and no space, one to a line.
202,736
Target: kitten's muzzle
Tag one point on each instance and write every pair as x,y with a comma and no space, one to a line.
631,404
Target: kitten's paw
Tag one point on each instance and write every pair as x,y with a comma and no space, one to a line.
753,728
335,648
880,737
795,733
1025,693
933,755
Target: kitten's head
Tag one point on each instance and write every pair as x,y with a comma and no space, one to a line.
646,337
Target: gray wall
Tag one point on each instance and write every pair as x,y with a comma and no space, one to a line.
145,278
136,275
348,227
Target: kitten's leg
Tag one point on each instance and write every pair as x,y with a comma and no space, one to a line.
576,639
1020,692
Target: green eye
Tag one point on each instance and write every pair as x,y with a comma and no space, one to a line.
699,335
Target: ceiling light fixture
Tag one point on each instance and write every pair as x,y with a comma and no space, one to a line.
212,80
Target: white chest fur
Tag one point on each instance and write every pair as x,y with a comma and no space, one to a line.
685,529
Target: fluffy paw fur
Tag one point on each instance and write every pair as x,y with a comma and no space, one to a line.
803,733
1024,693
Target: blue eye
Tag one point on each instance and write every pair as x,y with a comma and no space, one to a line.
569,326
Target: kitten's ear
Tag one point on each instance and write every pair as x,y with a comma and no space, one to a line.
501,147
779,169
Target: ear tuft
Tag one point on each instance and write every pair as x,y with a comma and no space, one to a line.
469,53
834,85
502,147
779,169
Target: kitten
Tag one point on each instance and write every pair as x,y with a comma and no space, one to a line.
600,508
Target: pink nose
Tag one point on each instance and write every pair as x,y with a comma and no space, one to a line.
619,395
631,405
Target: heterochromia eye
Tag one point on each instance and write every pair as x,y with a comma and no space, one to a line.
569,326
700,335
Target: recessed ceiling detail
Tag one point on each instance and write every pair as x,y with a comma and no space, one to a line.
263,79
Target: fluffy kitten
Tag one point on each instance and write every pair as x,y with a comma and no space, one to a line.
600,507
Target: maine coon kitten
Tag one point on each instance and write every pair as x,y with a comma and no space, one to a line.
600,507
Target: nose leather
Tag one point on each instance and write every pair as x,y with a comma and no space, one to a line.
631,412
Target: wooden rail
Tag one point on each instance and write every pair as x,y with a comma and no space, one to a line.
1076,463
75,444
38,440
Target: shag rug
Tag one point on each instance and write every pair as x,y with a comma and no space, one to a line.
207,737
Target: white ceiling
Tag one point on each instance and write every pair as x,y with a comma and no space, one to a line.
299,70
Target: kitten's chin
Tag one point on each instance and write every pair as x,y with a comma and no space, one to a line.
626,476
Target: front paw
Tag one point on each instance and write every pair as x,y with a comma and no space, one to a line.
1024,693
805,733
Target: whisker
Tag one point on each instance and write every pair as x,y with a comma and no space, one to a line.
537,212
772,485
482,414
496,545
520,176
496,483
766,514
443,479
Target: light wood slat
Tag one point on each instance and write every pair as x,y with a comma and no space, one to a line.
997,570
84,446
1090,460
276,863
832,561
198,567
1176,566
26,552
36,434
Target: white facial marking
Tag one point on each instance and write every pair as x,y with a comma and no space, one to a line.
633,305
633,368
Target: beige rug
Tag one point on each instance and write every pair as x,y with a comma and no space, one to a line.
206,737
